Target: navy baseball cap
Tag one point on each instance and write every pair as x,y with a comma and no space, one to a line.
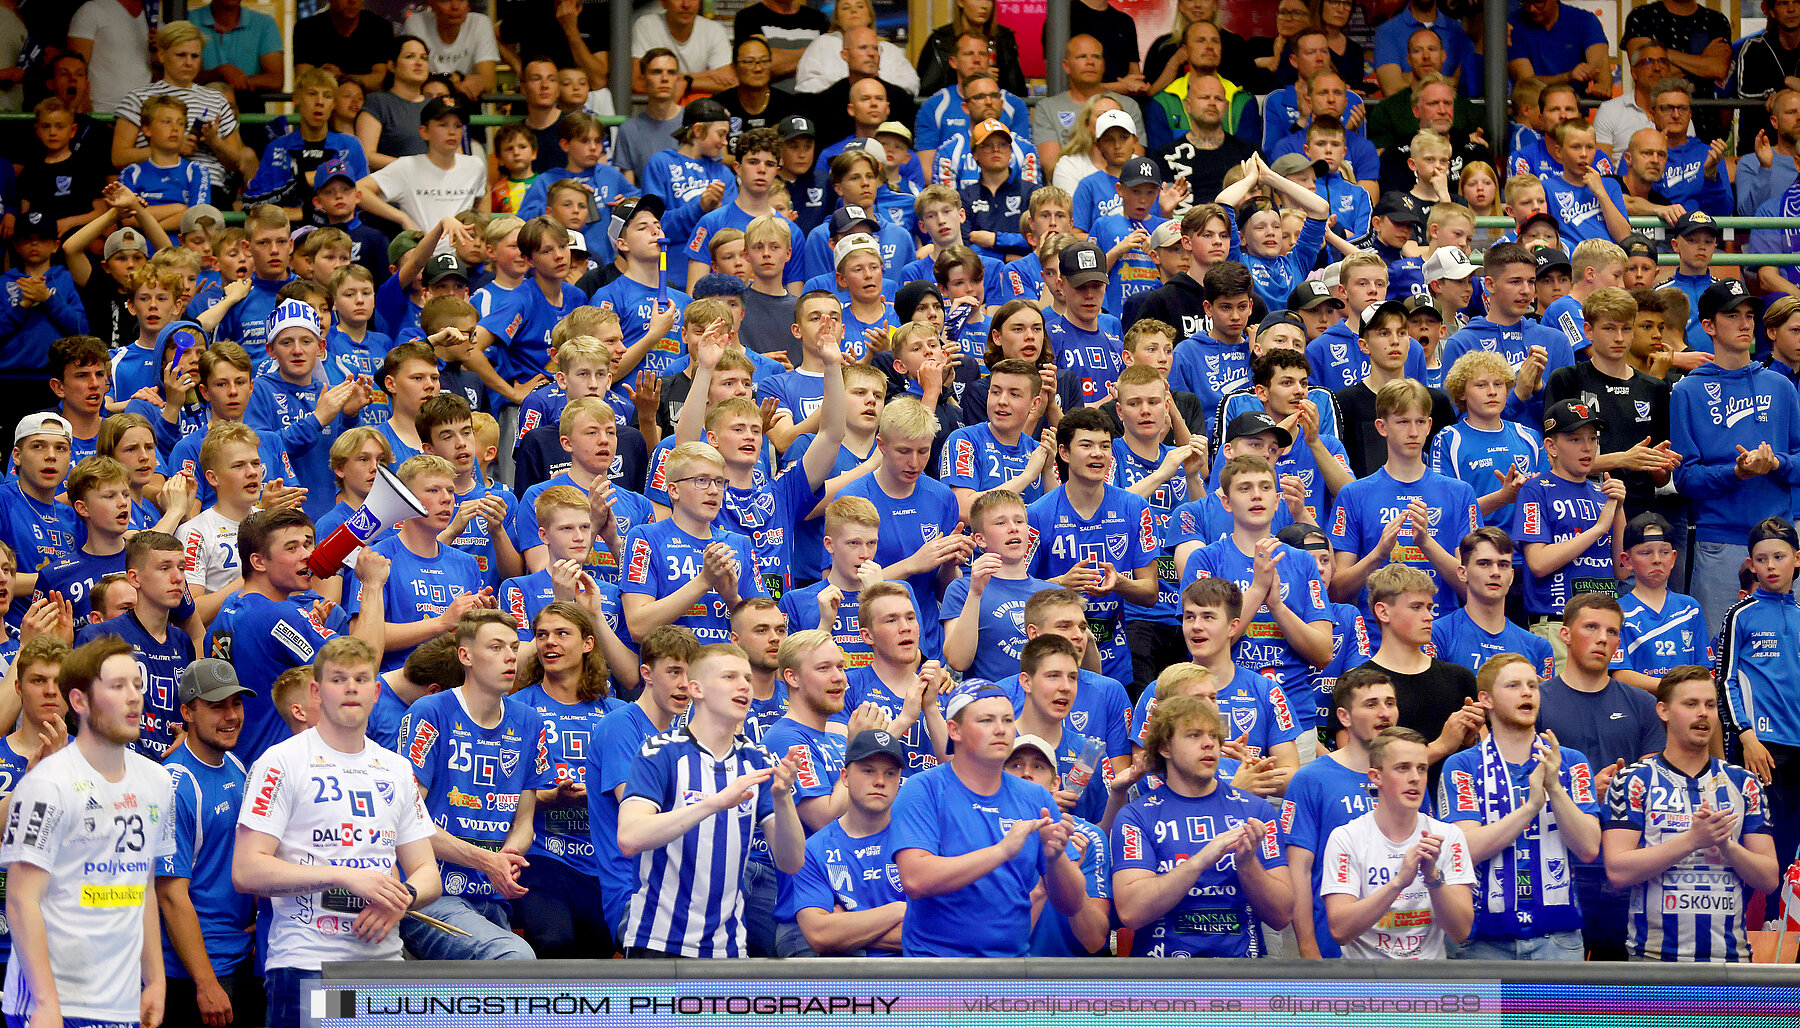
875,743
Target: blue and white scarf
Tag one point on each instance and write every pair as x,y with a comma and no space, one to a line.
1498,799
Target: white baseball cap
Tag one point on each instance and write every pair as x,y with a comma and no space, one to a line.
853,242
1112,120
1447,262
43,423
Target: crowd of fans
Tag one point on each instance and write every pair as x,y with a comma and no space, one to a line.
847,506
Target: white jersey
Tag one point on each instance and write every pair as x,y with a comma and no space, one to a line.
1360,860
327,807
101,842
209,544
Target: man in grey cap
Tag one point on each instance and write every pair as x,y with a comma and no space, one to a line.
847,899
206,949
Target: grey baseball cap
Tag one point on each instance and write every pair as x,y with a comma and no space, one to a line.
212,680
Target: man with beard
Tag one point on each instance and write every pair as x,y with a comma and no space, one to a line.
1646,156
206,936
1765,173
1435,105
1205,152
72,956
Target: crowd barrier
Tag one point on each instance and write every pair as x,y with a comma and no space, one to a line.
1034,993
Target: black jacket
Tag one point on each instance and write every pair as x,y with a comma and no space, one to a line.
940,46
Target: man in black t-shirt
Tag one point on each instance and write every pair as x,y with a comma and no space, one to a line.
1699,46
346,40
1766,62
789,26
1206,151
1117,34
1437,699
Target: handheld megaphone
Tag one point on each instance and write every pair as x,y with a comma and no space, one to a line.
389,503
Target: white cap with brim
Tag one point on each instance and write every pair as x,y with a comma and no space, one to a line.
853,242
1113,120
1037,743
44,423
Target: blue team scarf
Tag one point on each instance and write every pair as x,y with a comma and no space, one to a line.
1498,799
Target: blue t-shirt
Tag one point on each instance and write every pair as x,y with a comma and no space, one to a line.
162,663
973,458
821,754
1577,208
470,776
841,870
1250,704
1349,649
1135,273
661,558
1001,631
630,510
865,686
801,606
1157,831
262,638
1552,509
1655,642
1122,532
635,305
618,738
1365,506
731,215
1264,645
1054,936
991,916
1097,355
75,579
184,182
418,588
1096,196
1472,455
206,810
908,523
1128,470
523,327
1323,796
768,515
12,768
1456,638
41,535
477,536
809,535
1555,50
570,732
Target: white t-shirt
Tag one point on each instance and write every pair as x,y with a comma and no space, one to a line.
101,842
12,43
121,58
1360,860
1071,168
474,44
707,47
428,194
822,64
305,794
209,550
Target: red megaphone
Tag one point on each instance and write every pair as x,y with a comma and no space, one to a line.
389,503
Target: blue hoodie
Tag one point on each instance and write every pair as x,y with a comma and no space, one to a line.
1210,369
1713,411
29,331
1759,663
1514,342
286,410
248,320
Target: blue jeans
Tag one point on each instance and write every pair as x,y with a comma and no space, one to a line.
1714,580
1556,946
488,923
759,909
284,985
790,941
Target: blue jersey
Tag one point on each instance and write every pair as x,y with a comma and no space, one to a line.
662,558
1001,622
1526,890
184,182
1456,637
385,717
809,535
1272,278
185,456
1021,279
1097,355
1564,315
1759,661
1135,273
12,768
1365,506
347,358
991,916
570,732
523,328
477,536
41,535
820,751
1128,470
418,587
1694,910
470,776
1122,532
1323,795
1210,370
1552,509
908,522
656,479
845,872
1264,645
896,244
74,579
248,320
801,606
1096,196
1158,830
866,686
630,510
1205,521
767,515
619,736
689,899
732,215
635,305
262,638
205,827
1349,649
973,458
798,393
1054,936
161,662
1655,642
287,411
1472,455
1250,704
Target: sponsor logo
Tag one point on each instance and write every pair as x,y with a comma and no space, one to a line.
638,570
1284,715
1533,518
1582,777
264,802
1134,843
1464,784
421,744
458,798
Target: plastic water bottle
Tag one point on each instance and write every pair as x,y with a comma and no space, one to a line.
1092,753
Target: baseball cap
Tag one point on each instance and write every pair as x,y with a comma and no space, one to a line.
717,284
1394,206
212,680
1166,235
403,244
971,690
700,112
1648,527
875,743
1368,313
1421,305
1638,245
1541,218
1331,276
1447,262
795,126
845,220
1113,120
124,239
1289,164
1549,259
297,313
443,265
1274,318
440,107
1695,221
190,220
1081,263
1774,528
894,128
1569,415
1310,294
1139,171
337,167
852,243
35,225
42,423
1299,536
577,242
1037,743
980,133
629,208
1723,295
1256,422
